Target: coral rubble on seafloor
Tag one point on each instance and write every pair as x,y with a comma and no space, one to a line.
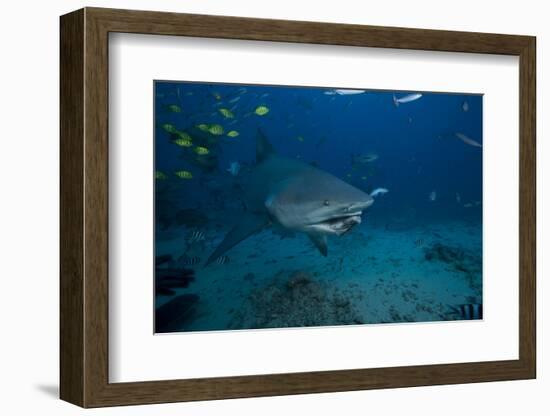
296,299
460,259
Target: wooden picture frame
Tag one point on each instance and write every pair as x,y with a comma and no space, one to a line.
84,207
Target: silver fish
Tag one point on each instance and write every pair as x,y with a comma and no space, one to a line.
364,158
467,140
344,92
234,168
406,99
378,191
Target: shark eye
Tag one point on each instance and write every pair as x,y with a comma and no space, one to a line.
326,203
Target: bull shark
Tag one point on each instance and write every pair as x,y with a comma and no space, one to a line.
298,197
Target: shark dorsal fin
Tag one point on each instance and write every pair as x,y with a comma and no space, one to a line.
264,149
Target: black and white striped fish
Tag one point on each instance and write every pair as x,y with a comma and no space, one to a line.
222,260
196,236
469,311
191,261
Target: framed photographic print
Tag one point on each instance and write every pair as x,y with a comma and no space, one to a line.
256,207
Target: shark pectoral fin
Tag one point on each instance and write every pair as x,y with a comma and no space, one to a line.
248,225
320,241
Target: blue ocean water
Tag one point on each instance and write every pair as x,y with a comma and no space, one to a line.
416,255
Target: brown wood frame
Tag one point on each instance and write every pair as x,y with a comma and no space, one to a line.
84,208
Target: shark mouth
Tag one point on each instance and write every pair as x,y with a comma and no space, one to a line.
339,225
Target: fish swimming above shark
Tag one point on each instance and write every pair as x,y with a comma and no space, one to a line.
297,197
467,140
406,99
344,92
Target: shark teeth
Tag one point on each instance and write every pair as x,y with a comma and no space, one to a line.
339,225
339,218
344,225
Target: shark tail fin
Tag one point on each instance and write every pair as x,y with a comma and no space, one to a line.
395,102
248,225
264,149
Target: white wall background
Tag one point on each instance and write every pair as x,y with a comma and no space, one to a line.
29,160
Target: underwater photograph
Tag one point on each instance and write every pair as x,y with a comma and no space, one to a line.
290,206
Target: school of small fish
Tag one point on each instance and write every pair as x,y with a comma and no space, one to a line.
184,140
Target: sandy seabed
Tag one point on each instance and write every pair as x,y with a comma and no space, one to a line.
371,275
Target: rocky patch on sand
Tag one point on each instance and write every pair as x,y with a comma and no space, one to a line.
297,299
